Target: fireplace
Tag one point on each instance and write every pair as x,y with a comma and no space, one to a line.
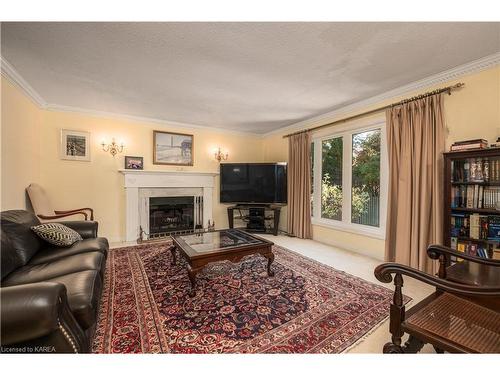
142,186
171,214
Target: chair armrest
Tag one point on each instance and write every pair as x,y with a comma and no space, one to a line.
59,216
76,210
435,251
30,311
384,273
86,229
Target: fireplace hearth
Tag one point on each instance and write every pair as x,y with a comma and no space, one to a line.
171,214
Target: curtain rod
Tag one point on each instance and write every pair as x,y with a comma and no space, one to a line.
447,89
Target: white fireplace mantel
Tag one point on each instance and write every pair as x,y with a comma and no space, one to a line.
137,180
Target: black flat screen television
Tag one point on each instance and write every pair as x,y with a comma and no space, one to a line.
253,183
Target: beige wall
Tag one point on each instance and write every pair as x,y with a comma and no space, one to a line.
97,184
471,112
20,147
30,152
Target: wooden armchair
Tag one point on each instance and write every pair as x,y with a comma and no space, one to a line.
472,270
45,212
457,317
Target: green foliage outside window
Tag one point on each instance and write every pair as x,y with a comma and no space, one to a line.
365,178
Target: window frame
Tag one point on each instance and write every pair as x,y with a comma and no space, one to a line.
347,132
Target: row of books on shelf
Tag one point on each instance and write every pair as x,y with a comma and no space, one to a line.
470,248
474,196
475,226
471,144
476,170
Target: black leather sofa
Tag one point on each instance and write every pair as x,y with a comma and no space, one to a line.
49,295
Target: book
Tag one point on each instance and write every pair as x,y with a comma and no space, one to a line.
480,197
494,228
496,254
473,249
474,226
479,140
454,243
469,203
471,146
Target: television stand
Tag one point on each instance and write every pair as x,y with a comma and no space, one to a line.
256,216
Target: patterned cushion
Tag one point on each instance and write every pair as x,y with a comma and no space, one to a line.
56,234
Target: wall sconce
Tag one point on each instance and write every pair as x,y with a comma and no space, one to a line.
113,147
220,156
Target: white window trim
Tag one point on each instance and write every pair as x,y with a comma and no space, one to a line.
347,131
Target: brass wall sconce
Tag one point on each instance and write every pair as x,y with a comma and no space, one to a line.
220,156
113,148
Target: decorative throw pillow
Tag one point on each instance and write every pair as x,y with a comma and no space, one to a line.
56,234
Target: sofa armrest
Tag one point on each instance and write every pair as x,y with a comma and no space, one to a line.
30,311
38,315
86,229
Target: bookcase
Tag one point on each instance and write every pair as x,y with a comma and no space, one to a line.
472,201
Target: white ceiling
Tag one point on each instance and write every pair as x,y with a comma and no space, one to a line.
253,77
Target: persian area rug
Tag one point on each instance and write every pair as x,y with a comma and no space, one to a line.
307,307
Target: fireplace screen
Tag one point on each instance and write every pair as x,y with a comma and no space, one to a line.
171,214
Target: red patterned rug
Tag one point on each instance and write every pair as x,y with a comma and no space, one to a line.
307,307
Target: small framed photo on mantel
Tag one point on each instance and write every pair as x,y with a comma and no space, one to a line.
172,148
134,162
75,145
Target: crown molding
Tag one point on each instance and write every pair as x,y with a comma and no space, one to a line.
149,120
445,76
9,72
13,76
486,62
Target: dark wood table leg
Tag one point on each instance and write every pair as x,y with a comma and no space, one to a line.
174,257
192,272
270,260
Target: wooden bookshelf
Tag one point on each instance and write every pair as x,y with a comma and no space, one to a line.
472,190
484,211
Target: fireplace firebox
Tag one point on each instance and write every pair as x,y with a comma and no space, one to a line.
171,214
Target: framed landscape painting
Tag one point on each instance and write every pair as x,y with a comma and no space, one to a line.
75,145
172,148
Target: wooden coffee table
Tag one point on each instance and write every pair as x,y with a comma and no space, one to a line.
200,249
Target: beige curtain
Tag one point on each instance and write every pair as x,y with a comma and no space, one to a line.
416,140
299,185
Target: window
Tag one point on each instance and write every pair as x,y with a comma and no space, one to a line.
331,179
349,171
365,193
312,178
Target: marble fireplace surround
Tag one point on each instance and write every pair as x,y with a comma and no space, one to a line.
141,185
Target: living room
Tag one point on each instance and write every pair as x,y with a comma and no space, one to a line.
265,189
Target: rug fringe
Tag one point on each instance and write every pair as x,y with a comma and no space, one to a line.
365,336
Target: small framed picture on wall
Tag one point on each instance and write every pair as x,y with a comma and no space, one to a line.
134,162
75,145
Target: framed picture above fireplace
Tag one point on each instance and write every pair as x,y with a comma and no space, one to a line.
172,148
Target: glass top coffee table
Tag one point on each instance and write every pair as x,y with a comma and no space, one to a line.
200,249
